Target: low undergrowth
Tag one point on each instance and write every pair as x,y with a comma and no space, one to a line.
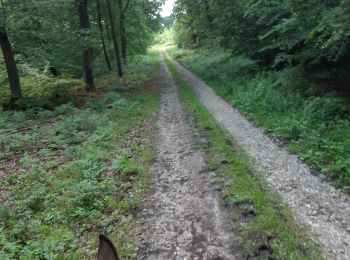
266,227
315,125
70,173
42,90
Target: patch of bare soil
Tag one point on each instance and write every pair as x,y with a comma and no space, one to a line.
182,217
317,205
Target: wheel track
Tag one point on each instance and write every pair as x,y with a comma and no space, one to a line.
182,217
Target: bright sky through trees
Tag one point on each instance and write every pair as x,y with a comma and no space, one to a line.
167,8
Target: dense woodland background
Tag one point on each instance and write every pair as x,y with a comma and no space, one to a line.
276,34
57,43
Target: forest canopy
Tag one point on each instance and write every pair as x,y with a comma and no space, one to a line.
314,34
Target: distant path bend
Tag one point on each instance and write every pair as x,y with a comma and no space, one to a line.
316,204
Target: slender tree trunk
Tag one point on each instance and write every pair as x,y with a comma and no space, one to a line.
123,30
99,20
114,37
108,32
209,18
123,38
11,66
87,53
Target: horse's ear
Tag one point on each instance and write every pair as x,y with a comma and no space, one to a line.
106,249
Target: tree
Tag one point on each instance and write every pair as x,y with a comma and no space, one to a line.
114,38
276,34
143,20
99,21
194,25
122,19
87,51
12,71
46,36
10,62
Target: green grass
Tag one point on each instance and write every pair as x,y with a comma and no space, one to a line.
263,222
314,124
73,172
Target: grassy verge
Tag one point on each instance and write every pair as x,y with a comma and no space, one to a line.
265,225
70,173
314,124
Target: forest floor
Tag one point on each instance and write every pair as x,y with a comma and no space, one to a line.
315,204
79,169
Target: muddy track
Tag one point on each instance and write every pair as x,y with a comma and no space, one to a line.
317,205
182,217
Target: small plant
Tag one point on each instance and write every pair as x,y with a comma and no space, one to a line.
26,161
65,109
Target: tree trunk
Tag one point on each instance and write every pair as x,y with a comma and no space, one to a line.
123,30
209,18
99,20
114,37
87,53
108,32
11,66
123,38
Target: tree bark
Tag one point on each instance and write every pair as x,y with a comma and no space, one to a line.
123,39
99,20
114,38
11,66
87,53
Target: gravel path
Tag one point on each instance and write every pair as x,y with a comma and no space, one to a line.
317,205
182,217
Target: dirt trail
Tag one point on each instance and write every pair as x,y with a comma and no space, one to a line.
317,205
182,218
